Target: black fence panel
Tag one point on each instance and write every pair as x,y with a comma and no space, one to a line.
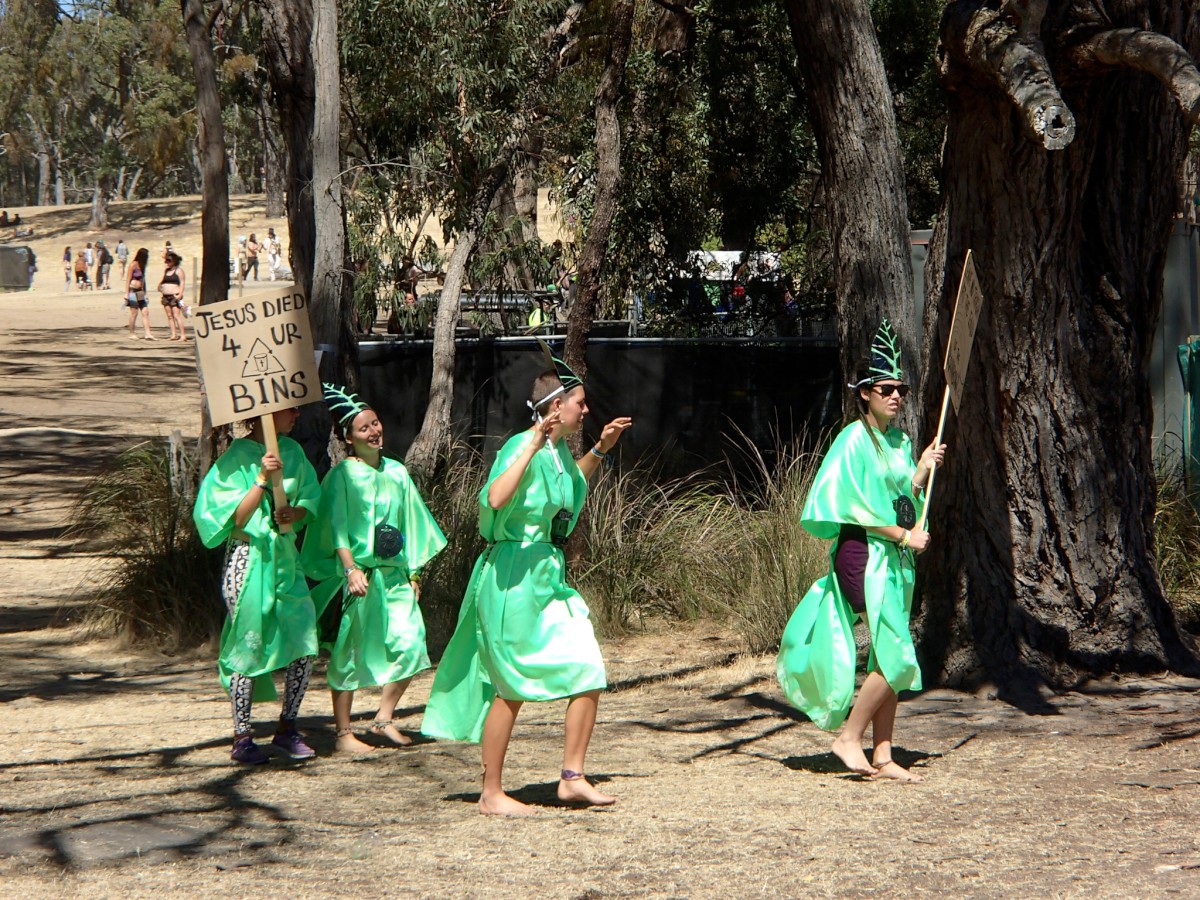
687,397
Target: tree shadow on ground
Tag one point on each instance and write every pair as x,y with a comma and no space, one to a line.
626,684
214,816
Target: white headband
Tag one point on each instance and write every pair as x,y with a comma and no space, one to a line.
550,396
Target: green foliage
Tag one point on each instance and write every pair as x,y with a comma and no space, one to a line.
908,36
104,89
1177,543
162,588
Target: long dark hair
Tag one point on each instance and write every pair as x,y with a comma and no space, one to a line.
862,372
141,258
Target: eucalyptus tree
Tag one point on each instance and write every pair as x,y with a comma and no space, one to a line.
1068,129
461,92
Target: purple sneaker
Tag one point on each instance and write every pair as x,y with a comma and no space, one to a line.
290,743
246,751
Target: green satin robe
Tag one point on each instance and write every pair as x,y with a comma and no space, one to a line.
523,633
856,484
274,622
382,634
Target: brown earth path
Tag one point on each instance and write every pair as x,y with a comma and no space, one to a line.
115,779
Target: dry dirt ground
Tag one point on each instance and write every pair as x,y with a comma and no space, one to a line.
115,779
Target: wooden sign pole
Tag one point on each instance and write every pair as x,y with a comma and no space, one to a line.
936,441
271,440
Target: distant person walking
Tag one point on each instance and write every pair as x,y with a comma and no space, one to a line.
68,267
171,287
241,258
122,256
273,248
81,271
135,294
106,261
252,248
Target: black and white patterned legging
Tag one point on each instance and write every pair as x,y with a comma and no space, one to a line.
241,687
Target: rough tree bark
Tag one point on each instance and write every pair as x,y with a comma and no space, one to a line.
854,120
274,164
214,276
428,448
300,44
287,38
1067,130
608,182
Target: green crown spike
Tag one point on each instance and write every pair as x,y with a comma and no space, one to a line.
568,378
885,354
343,404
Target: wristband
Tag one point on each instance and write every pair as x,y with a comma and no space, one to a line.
596,453
414,577
261,483
904,540
346,571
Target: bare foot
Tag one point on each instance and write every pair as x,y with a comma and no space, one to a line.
392,733
503,805
348,743
851,754
895,772
579,790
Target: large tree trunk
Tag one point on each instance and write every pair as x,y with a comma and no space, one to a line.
331,328
863,170
287,38
41,145
214,229
1042,567
99,217
608,181
274,159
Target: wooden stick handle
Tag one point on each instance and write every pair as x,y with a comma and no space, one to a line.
271,440
936,441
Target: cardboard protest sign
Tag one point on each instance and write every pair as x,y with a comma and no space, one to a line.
256,356
958,355
962,331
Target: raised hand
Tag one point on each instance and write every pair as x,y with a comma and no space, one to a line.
612,433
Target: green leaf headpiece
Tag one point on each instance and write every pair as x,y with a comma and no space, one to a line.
885,357
343,404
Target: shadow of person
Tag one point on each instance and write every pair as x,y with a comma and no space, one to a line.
542,794
828,764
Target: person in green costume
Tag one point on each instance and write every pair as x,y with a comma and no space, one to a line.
523,633
271,623
372,536
863,498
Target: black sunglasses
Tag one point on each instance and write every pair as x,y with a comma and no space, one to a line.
886,390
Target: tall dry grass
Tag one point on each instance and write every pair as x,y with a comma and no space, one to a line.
725,548
163,589
1177,543
453,498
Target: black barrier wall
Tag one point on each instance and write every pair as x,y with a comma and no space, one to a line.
686,397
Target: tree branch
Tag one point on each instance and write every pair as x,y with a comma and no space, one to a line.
1148,52
1004,46
678,8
